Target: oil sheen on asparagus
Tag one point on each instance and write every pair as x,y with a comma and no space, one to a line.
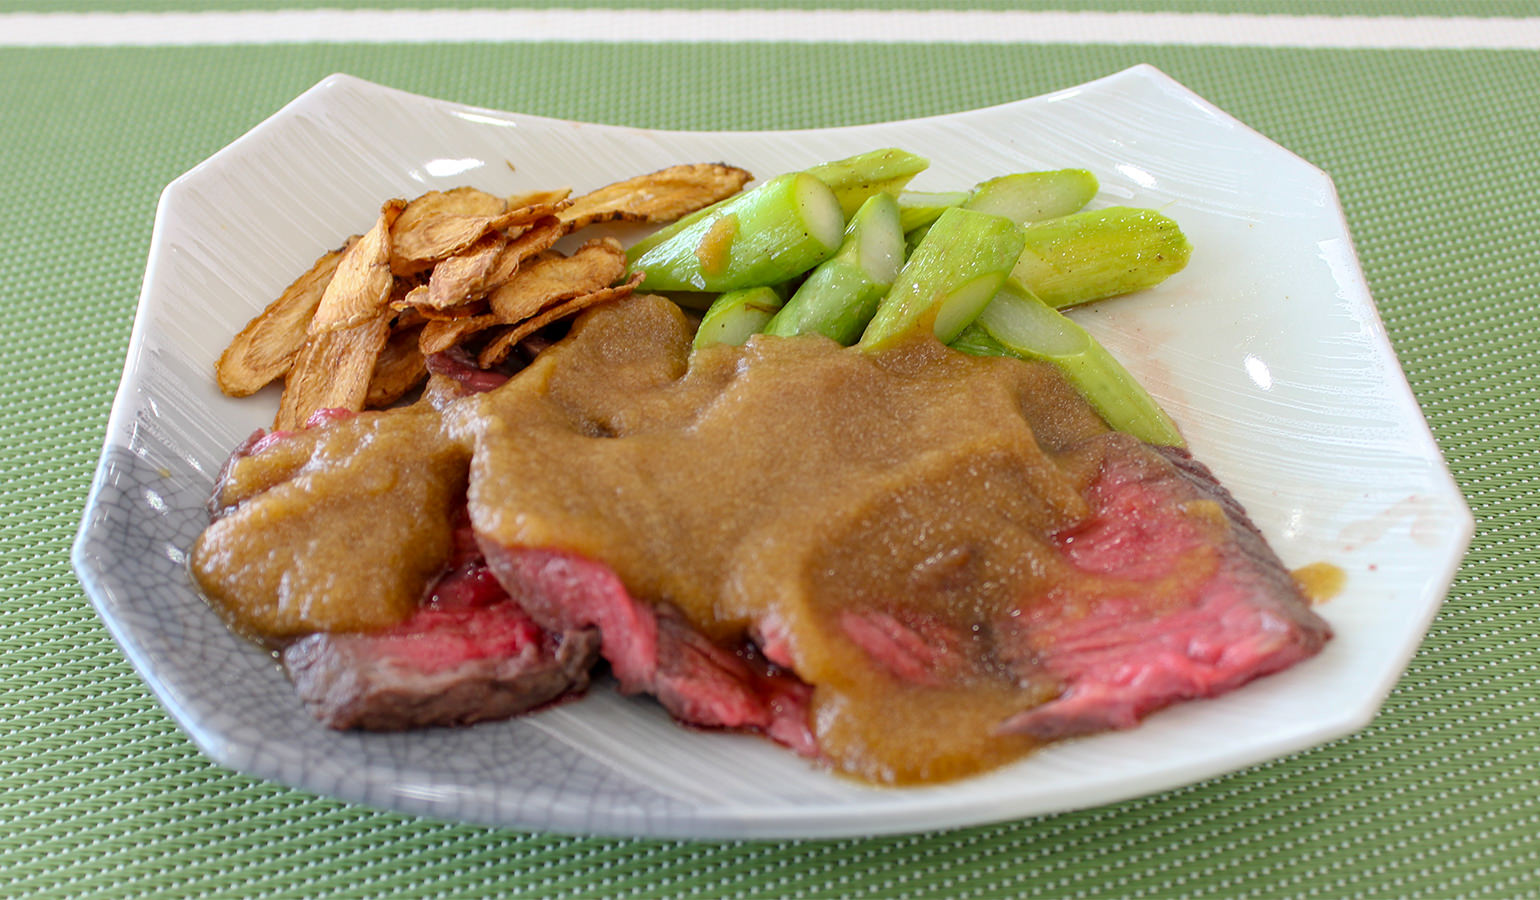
847,251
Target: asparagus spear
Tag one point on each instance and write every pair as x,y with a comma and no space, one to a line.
853,180
1034,196
768,235
1099,253
917,209
735,315
1017,323
838,299
950,277
1023,197
975,341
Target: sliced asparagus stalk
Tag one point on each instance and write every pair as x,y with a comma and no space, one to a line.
736,315
839,297
1023,198
913,238
1020,324
768,235
948,279
975,341
856,179
1034,196
853,180
917,209
1099,253
635,251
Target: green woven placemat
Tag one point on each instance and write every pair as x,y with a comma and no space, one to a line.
1436,158
1297,7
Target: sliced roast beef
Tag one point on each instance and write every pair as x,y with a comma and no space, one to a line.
1138,647
456,366
653,650
915,648
471,654
932,562
564,591
937,544
218,504
703,683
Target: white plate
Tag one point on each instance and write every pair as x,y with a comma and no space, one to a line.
1267,350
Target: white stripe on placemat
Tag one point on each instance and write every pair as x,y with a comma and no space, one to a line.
782,25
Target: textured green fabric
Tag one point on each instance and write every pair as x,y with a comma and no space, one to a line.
1513,8
1437,156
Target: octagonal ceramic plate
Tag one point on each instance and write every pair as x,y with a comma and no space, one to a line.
1267,350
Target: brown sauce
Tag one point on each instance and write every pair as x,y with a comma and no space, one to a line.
788,484
794,481
336,529
1320,581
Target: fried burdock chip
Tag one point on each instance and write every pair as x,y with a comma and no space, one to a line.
538,198
460,201
499,347
482,267
436,219
661,196
415,308
535,239
552,278
360,289
436,231
332,371
265,348
446,272
400,367
542,281
466,276
441,334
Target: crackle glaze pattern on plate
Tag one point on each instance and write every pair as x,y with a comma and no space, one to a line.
1267,350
